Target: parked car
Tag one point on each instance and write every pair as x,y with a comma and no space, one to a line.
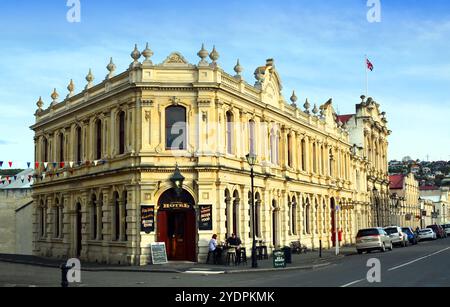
427,234
397,236
371,239
446,229
438,230
412,236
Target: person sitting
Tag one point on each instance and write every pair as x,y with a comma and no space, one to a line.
212,248
234,241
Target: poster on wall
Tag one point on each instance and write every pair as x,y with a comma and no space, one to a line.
205,221
147,219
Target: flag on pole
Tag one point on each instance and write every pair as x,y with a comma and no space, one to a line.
369,65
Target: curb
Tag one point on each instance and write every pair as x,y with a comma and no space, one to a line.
297,268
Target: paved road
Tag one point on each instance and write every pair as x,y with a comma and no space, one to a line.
424,265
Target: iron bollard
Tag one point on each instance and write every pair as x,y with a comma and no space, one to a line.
320,250
64,270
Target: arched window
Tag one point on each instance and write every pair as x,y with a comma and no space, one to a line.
303,153
57,220
252,133
176,128
294,216
236,203
94,217
98,142
228,212
78,136
258,214
230,132
61,147
121,132
308,217
116,203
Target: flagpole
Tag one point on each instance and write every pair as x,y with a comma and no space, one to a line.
367,75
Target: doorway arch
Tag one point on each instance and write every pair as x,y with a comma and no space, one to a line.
177,226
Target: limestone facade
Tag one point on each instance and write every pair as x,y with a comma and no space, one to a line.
113,148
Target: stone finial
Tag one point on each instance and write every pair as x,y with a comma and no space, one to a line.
70,88
147,53
89,79
307,106
315,110
294,99
238,69
203,54
363,99
54,97
214,55
111,67
135,55
40,104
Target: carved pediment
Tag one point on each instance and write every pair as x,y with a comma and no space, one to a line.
175,59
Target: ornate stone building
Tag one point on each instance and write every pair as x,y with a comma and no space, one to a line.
405,201
157,154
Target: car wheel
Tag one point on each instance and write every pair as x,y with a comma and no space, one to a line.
392,247
383,248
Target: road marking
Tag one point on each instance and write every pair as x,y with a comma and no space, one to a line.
353,283
419,259
205,272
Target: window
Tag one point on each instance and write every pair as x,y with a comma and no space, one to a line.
274,146
79,143
314,153
307,217
98,129
94,217
294,216
61,147
230,131
116,216
176,128
57,222
303,152
289,153
236,212
45,150
252,137
258,215
124,216
121,133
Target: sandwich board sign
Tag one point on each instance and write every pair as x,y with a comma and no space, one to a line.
159,253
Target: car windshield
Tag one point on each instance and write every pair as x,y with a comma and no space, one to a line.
391,230
406,230
368,232
425,231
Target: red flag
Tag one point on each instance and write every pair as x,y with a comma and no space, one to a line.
10,163
369,65
37,165
62,164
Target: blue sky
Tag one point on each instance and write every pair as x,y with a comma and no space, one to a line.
318,46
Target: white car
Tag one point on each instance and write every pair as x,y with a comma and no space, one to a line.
397,236
446,229
427,234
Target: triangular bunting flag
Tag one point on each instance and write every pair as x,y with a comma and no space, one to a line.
15,178
57,175
88,163
10,164
45,165
43,176
95,163
36,165
29,164
71,164
29,178
1,163
71,171
62,164
55,164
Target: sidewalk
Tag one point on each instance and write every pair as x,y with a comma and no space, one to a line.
308,261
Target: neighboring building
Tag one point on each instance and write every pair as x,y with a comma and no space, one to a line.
428,208
111,186
440,196
16,215
368,130
405,204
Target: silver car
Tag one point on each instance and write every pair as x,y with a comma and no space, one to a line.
397,236
371,239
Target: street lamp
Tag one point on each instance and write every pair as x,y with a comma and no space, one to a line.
251,159
177,180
